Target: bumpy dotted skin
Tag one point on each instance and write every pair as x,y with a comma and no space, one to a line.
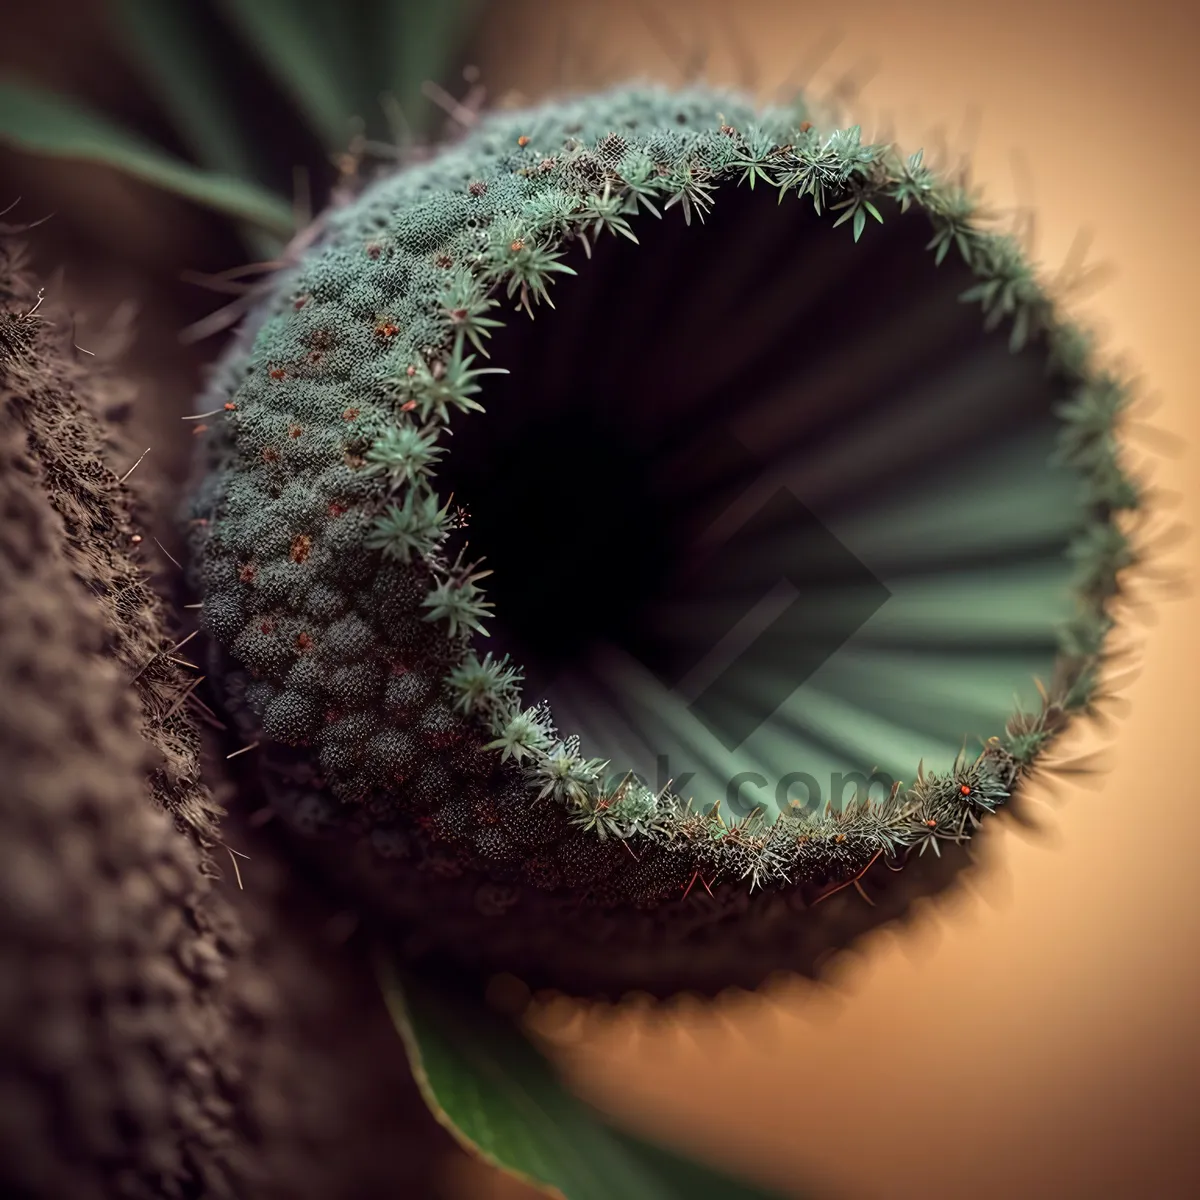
153,1044
119,1074
342,617
288,586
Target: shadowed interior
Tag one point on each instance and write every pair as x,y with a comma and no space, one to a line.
757,496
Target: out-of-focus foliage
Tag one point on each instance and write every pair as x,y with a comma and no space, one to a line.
352,75
504,1101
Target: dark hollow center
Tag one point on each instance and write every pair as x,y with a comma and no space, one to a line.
563,511
671,377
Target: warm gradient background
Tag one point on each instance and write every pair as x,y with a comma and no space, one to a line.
1037,1034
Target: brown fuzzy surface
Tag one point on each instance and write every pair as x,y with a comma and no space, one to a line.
114,1025
162,1032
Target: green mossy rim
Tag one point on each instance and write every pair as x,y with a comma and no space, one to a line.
580,172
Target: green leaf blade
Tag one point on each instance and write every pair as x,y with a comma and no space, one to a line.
41,122
502,1100
172,49
311,49
421,42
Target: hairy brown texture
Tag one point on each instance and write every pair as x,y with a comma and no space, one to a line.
114,1028
50,395
156,1040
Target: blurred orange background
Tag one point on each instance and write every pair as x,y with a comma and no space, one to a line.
1035,1034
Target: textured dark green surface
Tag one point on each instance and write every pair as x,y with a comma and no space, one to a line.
970,471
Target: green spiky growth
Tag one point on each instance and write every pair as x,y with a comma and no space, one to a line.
340,585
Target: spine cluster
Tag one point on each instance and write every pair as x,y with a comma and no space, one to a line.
327,553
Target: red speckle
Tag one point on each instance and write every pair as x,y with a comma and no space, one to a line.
277,373
410,371
230,406
300,302
267,627
247,573
350,414
477,187
522,140
443,740
399,668
315,356
270,454
519,244
303,642
408,406
728,130
385,329
486,811
805,126
301,547
199,523
333,715
444,261
374,250
338,509
931,823
295,431
966,791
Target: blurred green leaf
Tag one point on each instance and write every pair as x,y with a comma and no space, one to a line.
490,1087
317,54
44,123
173,49
685,1177
422,41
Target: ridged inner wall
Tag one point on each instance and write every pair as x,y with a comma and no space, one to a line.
819,491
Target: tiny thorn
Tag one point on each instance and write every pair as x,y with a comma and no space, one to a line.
215,322
200,605
90,353
243,750
447,103
179,645
134,467
204,707
167,552
206,714
236,870
201,416
184,697
214,283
